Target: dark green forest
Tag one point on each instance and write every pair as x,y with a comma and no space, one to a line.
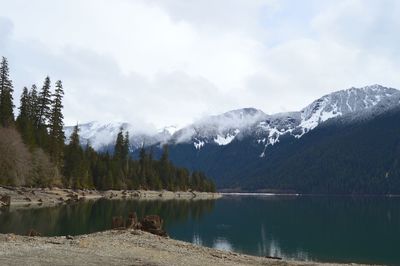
338,157
33,149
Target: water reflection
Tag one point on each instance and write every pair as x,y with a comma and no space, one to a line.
222,243
94,216
340,229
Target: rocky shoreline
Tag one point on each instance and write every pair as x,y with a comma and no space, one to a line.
121,247
22,197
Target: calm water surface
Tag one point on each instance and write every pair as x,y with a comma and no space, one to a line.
339,229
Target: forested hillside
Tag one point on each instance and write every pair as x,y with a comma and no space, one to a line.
33,150
345,155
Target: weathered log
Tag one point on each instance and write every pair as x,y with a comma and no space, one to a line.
132,221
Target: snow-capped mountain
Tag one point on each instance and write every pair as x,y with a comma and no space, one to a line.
344,136
103,135
265,130
343,102
219,129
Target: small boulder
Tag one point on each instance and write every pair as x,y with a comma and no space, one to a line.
5,200
152,221
153,224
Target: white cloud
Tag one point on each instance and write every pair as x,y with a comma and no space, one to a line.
169,62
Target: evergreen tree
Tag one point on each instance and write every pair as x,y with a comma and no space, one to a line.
125,153
56,126
6,96
119,147
142,171
165,171
24,105
75,168
33,108
24,123
44,104
125,150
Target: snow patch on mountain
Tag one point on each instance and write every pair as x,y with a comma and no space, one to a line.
225,140
198,144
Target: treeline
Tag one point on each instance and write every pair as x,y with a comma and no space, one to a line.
33,150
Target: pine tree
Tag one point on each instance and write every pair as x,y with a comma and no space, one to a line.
119,146
44,104
125,150
143,170
75,168
165,171
24,106
6,96
34,105
125,153
56,126
24,122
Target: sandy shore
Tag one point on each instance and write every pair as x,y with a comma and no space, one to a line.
21,197
116,247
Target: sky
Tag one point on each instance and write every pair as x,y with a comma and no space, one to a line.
156,63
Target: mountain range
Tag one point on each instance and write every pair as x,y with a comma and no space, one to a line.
330,146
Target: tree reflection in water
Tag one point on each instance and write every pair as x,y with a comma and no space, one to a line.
94,216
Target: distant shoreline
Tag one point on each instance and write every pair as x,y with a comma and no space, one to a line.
22,197
305,195
257,194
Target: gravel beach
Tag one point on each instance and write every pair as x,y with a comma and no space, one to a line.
120,247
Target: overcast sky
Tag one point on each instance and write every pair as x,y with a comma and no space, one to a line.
165,62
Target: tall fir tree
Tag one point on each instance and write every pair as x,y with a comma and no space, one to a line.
143,167
125,153
75,168
125,150
56,125
165,171
6,95
34,105
24,122
44,104
119,146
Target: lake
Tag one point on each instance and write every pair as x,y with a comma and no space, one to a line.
336,229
